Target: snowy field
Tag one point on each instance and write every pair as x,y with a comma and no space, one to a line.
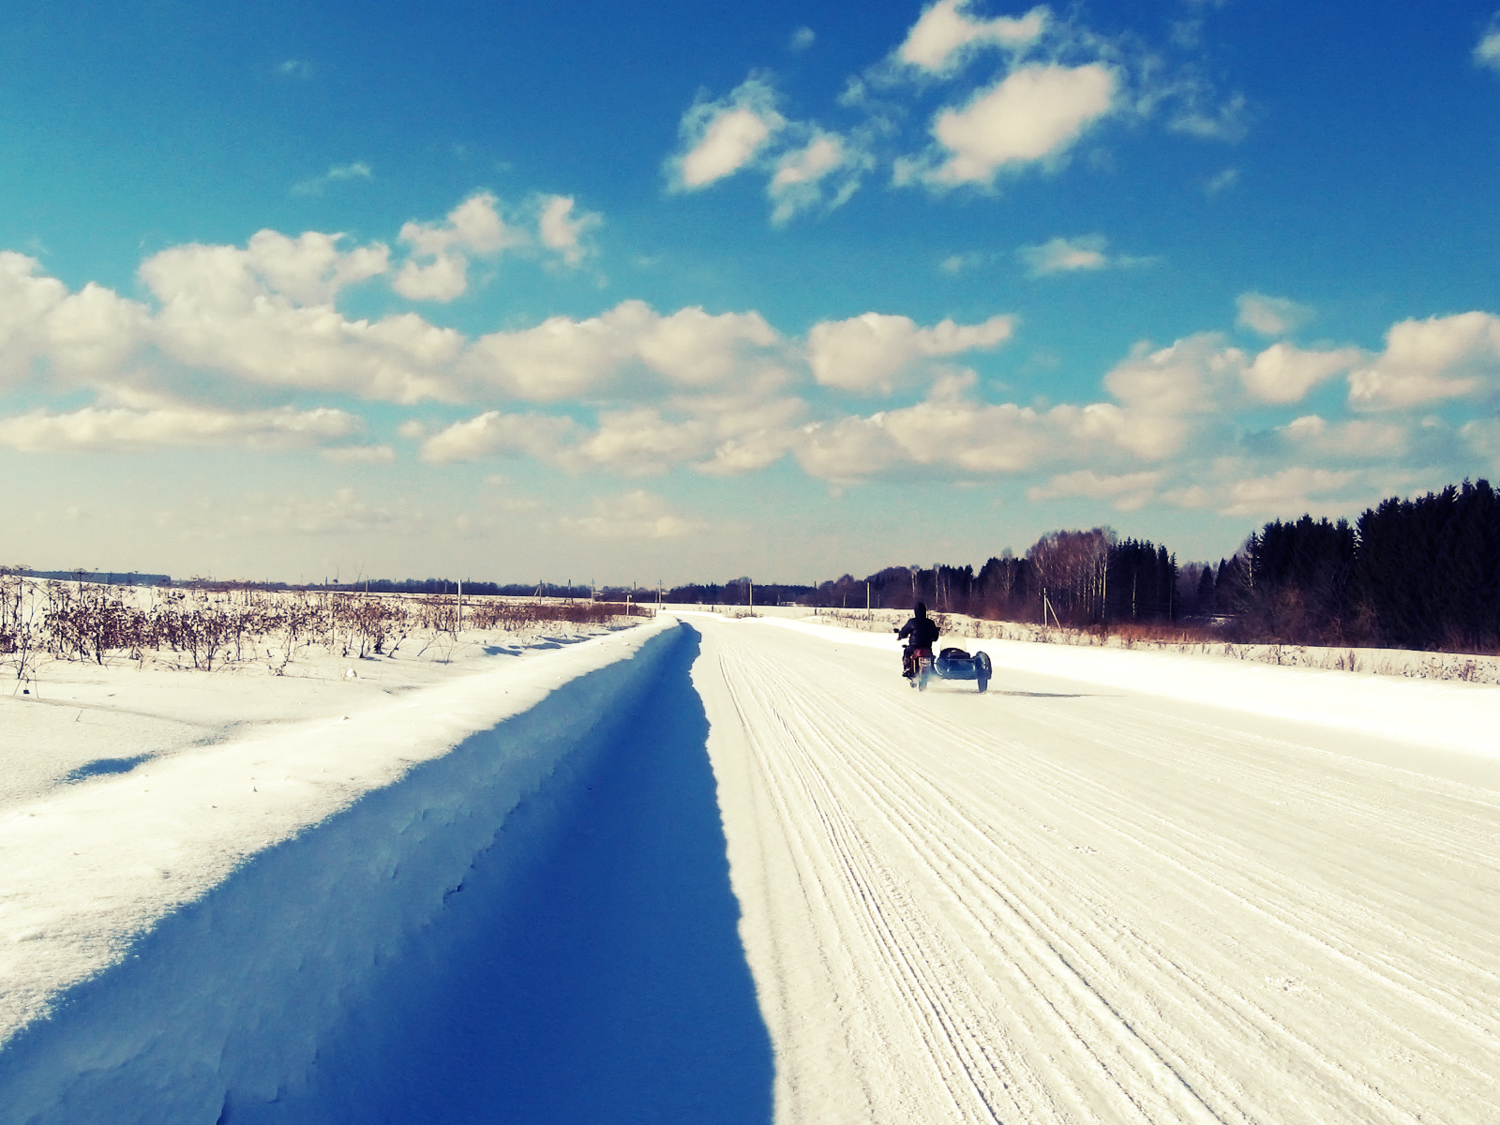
736,871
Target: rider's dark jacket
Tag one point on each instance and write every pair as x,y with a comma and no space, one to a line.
921,629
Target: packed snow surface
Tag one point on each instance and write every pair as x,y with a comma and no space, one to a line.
736,870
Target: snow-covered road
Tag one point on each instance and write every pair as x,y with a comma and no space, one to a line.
1065,902
1119,887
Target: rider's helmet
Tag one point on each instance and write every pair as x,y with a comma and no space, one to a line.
920,609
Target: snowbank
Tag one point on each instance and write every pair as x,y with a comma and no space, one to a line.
178,945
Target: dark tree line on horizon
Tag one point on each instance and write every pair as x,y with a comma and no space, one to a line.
1417,574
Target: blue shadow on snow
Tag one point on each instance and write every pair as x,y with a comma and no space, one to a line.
605,982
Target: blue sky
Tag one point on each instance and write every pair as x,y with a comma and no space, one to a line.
683,291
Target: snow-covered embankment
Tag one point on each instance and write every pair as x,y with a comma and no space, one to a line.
232,935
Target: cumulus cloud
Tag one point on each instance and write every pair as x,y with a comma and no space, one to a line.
1161,390
1428,361
951,431
79,336
1360,440
1293,489
801,175
946,36
1064,255
1271,316
802,39
563,231
565,358
496,434
721,137
1069,255
1126,492
125,430
632,515
1033,115
474,226
717,435
1284,373
875,351
221,309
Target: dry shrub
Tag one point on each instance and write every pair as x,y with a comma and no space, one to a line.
204,626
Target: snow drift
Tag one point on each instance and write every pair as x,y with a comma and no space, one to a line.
430,946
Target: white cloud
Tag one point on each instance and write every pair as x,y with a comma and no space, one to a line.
802,39
874,351
955,264
1068,255
495,434
1427,361
564,358
219,311
717,435
79,336
336,173
798,182
945,36
755,450
1360,440
474,226
1127,492
719,138
1482,437
1271,316
632,515
1290,490
1161,390
1284,373
1487,50
949,431
563,231
311,269
124,430
641,442
1035,114
1065,255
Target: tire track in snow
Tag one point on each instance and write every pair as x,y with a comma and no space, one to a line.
1043,909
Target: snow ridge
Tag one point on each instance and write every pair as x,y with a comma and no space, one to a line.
235,990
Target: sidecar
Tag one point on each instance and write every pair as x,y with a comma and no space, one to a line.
957,664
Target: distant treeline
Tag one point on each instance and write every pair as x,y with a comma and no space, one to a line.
1419,574
739,591
1077,578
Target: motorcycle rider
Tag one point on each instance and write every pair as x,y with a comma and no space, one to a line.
923,632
